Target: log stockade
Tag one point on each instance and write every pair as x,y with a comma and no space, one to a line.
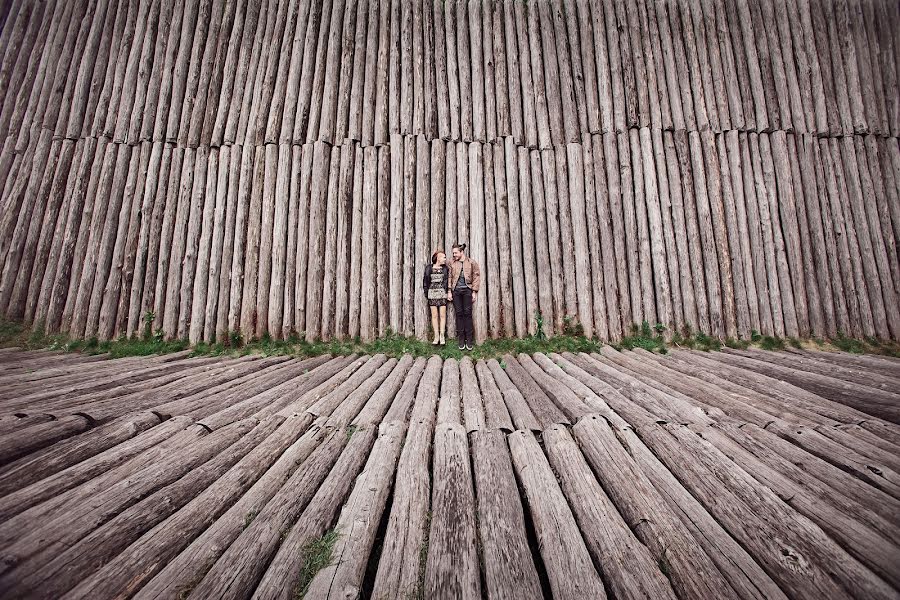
625,474
287,166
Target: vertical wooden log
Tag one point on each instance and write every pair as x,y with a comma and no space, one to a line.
367,318
673,21
707,237
630,96
662,291
192,242
632,247
344,242
358,74
785,281
515,236
232,73
409,235
788,213
605,245
529,259
462,193
704,24
382,67
522,54
450,220
421,230
546,135
689,271
558,56
240,229
476,57
406,69
368,98
504,248
579,19
740,302
266,245
760,116
315,271
767,236
329,257
566,235
324,117
316,28
668,231
847,299
430,91
582,264
450,208
613,178
236,119
249,315
814,301
148,241
280,200
716,194
441,77
356,245
452,70
294,153
542,248
301,191
345,75
508,73
199,275
44,224
818,274
114,309
105,249
596,291
882,293
464,66
491,106
834,284
418,72
395,241
324,44
645,257
741,243
700,101
154,297
477,237
755,239
648,20
220,229
554,239
437,194
645,67
492,291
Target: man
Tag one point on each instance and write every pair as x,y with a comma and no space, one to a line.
465,280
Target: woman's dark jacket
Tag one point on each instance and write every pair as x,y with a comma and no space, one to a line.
426,279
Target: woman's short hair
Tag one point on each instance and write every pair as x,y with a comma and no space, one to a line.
461,246
435,255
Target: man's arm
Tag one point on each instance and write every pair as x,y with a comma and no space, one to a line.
476,277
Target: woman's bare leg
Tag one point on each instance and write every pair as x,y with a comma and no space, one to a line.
434,324
443,323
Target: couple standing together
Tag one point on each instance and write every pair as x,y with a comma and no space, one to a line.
457,283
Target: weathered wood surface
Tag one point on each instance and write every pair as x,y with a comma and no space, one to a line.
744,474
221,166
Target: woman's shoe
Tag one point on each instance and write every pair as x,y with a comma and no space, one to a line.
434,342
443,341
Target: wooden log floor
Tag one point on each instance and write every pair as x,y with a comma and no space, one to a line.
734,474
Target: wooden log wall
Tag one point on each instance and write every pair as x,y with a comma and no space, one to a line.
280,166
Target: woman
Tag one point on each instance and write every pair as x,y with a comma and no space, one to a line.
436,285
465,281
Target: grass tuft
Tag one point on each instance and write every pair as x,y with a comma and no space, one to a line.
317,555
